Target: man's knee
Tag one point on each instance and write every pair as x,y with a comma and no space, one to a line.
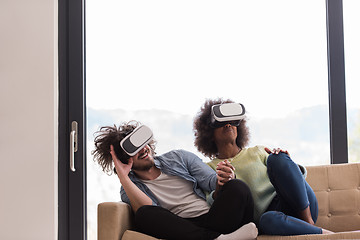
238,188
144,214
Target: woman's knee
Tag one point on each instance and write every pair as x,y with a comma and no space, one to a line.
280,162
276,159
270,220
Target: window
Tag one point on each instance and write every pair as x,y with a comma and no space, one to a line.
352,59
157,62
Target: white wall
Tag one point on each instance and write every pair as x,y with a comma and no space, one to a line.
28,119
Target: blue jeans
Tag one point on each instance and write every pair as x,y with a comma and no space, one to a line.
293,195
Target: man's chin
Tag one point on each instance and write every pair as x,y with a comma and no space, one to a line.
143,167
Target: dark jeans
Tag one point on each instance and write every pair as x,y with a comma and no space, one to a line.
232,208
293,195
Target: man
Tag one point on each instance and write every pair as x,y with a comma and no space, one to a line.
168,192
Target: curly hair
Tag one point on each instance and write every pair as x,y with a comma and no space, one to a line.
204,134
112,135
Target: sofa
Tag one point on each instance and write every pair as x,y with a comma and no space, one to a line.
337,188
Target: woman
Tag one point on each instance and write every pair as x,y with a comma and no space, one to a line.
284,202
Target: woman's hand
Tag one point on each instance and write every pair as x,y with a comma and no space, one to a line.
276,151
122,169
225,172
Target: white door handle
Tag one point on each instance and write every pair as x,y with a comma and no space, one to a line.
73,144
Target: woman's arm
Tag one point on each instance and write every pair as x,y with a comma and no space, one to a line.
276,151
225,172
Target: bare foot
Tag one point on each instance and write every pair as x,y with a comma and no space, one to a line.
324,231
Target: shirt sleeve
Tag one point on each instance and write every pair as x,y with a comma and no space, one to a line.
209,198
204,175
303,170
123,196
262,154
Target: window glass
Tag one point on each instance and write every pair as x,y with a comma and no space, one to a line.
157,62
352,74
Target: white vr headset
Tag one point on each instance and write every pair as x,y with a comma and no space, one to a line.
136,140
227,113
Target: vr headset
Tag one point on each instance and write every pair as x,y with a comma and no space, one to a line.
136,140
227,113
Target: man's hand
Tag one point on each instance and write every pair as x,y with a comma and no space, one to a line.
122,169
136,196
225,172
276,151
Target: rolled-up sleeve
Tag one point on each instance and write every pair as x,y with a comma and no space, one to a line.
204,175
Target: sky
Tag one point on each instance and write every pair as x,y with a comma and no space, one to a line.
174,54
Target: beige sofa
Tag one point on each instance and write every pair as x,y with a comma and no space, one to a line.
337,188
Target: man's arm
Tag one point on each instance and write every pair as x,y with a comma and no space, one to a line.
205,176
137,197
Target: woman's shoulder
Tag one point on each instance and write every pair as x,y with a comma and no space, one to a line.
259,149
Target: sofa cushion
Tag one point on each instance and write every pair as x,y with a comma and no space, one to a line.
337,188
341,235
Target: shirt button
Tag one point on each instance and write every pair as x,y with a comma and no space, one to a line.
329,215
328,190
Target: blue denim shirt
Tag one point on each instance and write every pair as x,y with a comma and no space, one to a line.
183,164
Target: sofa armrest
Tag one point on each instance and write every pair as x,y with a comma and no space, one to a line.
114,218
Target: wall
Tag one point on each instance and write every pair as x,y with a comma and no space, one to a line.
28,119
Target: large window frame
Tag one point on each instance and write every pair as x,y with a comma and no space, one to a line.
72,184
336,76
72,107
